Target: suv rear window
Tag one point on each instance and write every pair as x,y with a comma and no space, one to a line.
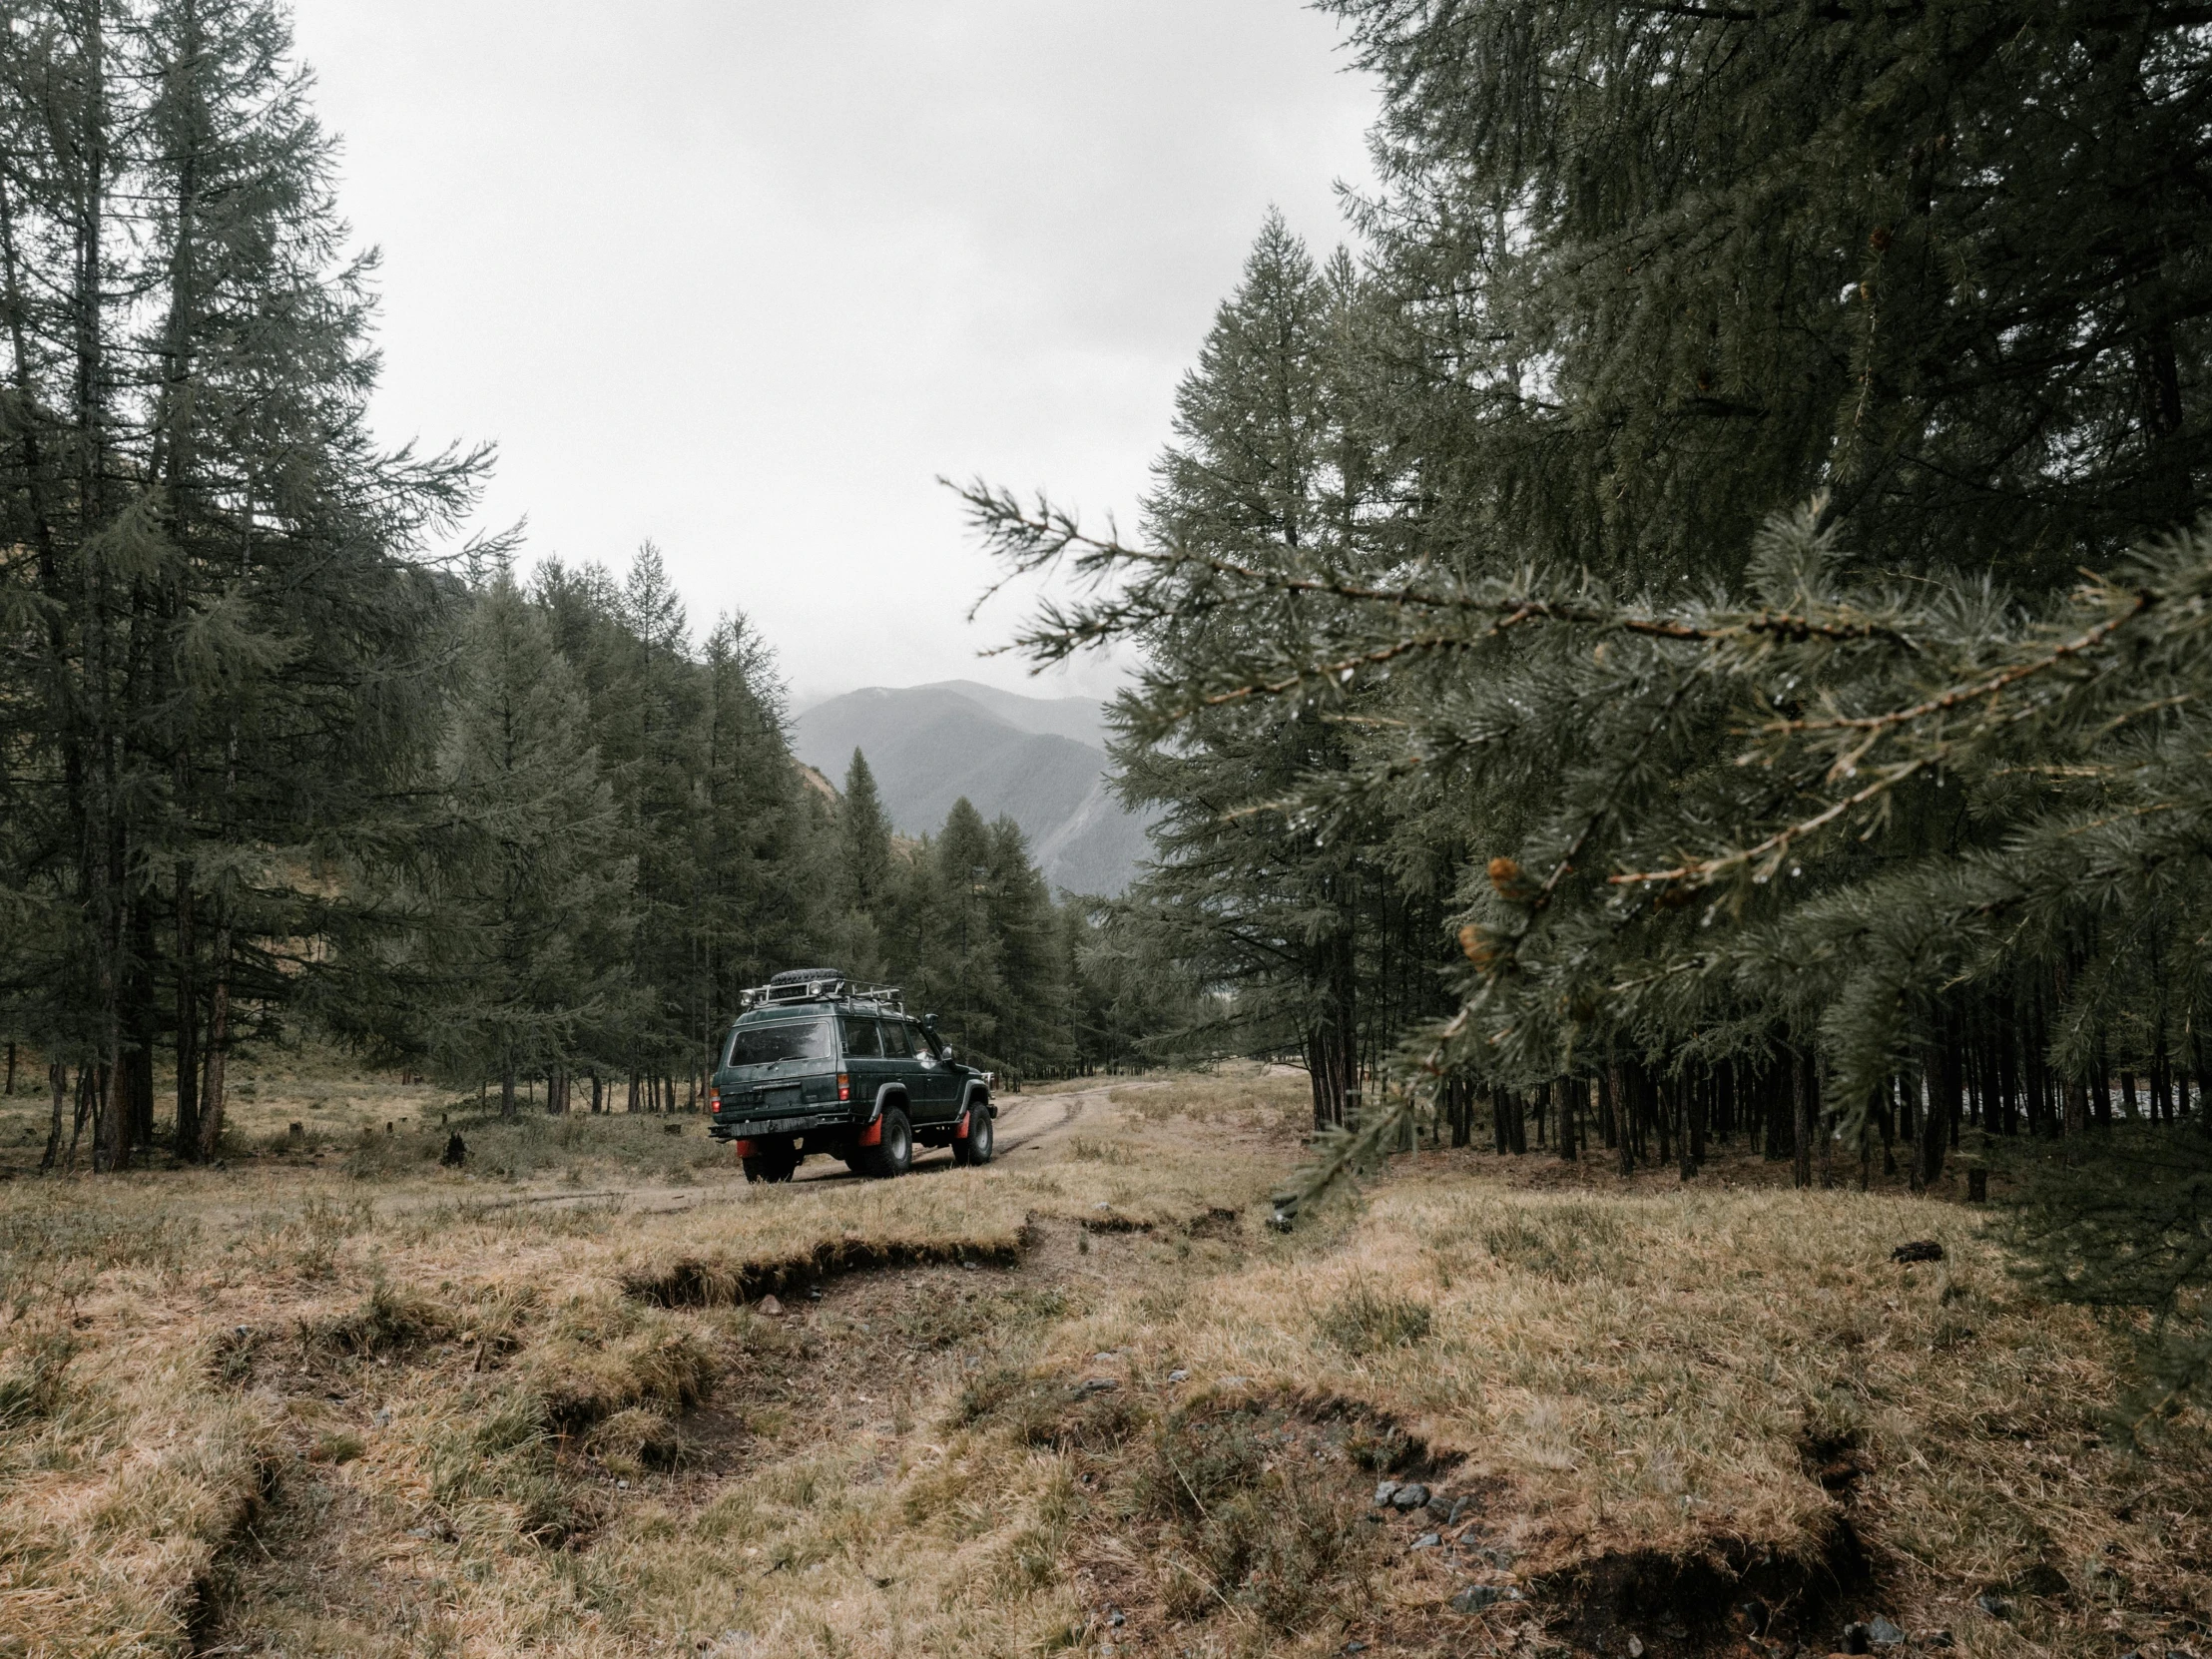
789,1039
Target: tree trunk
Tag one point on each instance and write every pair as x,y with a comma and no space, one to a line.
507,1087
218,1043
1805,1101
186,1139
1627,1083
57,1080
1935,1136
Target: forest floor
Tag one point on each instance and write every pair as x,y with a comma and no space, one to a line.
594,1395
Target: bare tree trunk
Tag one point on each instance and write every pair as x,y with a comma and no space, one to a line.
85,1086
219,1046
57,1080
1618,1082
1943,1107
186,1136
1804,1098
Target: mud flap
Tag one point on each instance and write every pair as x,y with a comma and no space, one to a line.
872,1135
744,1149
959,1130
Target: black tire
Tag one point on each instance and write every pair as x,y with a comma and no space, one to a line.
893,1152
772,1163
977,1147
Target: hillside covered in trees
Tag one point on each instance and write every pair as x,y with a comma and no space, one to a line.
278,748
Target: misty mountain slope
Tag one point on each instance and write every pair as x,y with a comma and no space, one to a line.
931,745
1066,717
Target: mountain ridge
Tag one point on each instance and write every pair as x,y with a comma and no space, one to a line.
1022,757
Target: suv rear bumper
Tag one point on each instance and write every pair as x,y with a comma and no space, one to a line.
796,1123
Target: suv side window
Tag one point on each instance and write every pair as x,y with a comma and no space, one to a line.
860,1038
898,1039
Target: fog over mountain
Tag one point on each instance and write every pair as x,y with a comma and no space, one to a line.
1040,760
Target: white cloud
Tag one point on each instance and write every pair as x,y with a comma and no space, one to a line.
745,277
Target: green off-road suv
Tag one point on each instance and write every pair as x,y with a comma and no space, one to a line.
819,1063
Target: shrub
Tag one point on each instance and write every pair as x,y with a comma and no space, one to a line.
1367,1320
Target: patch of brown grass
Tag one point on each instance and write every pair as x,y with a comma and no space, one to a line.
478,1415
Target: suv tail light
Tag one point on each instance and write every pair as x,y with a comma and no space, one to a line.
713,1098
845,1085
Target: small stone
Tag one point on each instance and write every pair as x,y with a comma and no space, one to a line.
1104,1358
771,1306
814,1292
1096,1385
1116,1618
418,1532
1355,1647
1635,1647
1936,1638
1459,1506
1882,1633
622,1485
1235,1382
1385,1490
382,1419
1428,1540
1102,1205
1179,1376
1854,1640
1475,1597
1993,1604
1412,1495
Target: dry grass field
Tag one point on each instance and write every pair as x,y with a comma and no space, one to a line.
592,1395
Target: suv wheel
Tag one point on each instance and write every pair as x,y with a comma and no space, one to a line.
772,1163
893,1152
977,1148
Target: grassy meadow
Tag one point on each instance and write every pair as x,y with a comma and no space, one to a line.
593,1394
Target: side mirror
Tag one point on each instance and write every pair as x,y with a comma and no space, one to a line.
929,1023
948,1053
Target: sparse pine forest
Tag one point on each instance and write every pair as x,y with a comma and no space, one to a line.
279,753
1701,633
1670,693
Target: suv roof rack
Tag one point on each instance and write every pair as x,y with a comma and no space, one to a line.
821,985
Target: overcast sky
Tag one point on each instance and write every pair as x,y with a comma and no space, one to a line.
744,278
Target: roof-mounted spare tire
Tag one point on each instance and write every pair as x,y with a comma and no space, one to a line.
795,977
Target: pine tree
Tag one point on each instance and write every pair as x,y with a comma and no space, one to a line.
863,840
225,683
1740,394
531,921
